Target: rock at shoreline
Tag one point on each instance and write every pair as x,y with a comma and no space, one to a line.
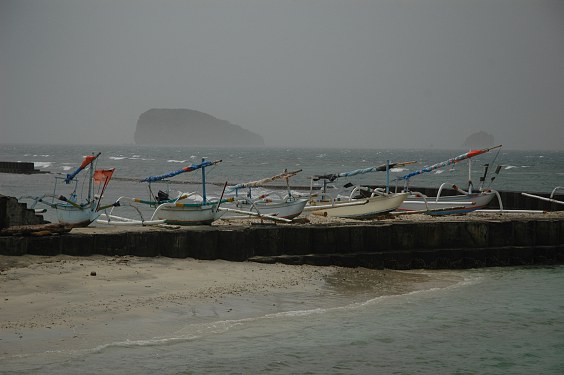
190,127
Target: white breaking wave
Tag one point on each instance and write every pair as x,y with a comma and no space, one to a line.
396,170
42,164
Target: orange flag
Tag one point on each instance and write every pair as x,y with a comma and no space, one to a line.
103,175
87,160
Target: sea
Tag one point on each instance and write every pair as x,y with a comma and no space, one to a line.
506,320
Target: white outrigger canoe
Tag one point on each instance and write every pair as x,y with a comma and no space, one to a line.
185,209
447,205
357,208
369,206
464,202
76,210
180,213
268,206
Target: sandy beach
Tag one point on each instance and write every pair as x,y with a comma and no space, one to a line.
65,303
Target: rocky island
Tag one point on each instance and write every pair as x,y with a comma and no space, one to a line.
190,127
479,139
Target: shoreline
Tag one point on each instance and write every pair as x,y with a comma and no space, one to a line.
55,304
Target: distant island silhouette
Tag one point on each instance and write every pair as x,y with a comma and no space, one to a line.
160,126
479,139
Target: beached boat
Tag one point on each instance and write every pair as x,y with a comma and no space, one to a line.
271,205
186,209
463,202
447,205
362,203
79,208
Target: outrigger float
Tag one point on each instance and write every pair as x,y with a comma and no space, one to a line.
549,199
79,209
186,209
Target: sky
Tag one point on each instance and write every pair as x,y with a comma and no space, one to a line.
302,73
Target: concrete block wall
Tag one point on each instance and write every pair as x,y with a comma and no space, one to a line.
456,244
14,213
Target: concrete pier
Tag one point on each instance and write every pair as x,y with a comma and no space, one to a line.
18,167
403,245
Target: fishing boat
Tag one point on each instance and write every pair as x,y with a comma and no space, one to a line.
362,203
79,208
185,209
463,202
271,205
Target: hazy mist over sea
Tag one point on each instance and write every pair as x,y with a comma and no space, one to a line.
319,73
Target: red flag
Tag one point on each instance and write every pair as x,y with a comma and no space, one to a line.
103,175
87,160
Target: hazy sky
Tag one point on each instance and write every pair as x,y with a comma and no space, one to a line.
347,73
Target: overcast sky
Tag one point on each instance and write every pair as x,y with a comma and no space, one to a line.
324,73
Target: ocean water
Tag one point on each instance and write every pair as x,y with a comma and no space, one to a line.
529,171
487,321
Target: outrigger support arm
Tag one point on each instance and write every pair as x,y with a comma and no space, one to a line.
380,168
284,175
467,155
189,168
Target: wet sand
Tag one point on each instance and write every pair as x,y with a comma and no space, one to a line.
66,303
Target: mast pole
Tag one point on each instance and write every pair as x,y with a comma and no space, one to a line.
469,176
90,187
203,182
287,182
387,176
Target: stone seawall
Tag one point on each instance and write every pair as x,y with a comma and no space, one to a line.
404,245
18,167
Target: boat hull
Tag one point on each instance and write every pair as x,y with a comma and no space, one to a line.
178,214
448,205
374,207
77,217
288,209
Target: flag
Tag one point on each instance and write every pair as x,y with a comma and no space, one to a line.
103,175
87,160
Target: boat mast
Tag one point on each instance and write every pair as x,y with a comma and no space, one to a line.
90,185
470,176
287,182
387,176
203,181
